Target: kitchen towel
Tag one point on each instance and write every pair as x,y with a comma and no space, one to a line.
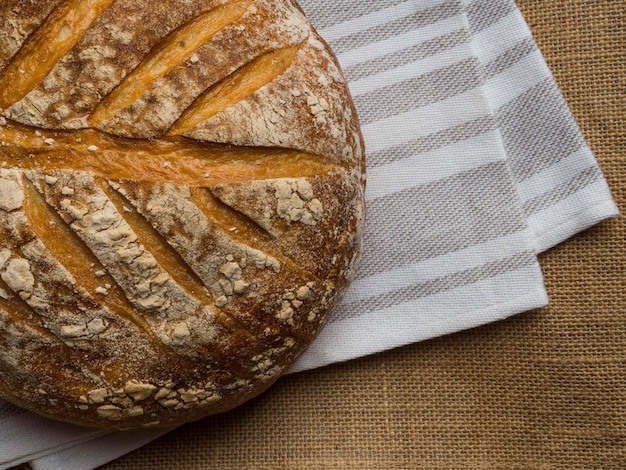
475,165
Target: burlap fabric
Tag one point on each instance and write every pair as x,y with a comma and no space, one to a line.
543,390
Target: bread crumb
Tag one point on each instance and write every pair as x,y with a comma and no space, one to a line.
72,331
162,393
285,315
11,195
231,270
221,301
303,293
138,391
19,277
98,395
181,333
96,326
135,411
169,403
111,412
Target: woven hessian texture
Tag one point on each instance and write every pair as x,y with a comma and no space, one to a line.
545,389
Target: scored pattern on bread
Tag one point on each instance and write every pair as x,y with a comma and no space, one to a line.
84,263
175,160
46,46
243,83
176,48
181,204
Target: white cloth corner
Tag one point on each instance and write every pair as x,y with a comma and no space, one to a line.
475,164
560,185
25,436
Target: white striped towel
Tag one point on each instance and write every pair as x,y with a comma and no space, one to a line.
475,164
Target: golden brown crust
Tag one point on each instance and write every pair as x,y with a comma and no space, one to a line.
181,203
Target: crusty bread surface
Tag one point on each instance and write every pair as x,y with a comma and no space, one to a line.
181,204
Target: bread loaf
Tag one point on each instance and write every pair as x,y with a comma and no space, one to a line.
181,203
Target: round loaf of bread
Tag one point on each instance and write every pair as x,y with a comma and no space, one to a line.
181,203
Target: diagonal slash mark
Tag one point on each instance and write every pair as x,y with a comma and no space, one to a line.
238,86
54,38
176,160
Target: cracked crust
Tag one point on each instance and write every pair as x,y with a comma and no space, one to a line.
181,204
